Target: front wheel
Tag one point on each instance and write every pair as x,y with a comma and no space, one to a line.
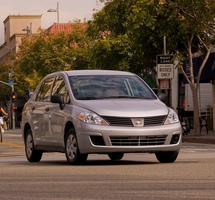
72,152
31,153
116,156
166,156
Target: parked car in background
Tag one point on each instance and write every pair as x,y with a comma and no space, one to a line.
98,111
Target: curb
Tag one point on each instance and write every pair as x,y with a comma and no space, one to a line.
199,139
13,131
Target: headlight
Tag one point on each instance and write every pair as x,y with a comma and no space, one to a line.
91,118
172,117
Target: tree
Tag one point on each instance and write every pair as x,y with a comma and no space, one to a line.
139,25
196,31
109,53
5,68
189,27
46,53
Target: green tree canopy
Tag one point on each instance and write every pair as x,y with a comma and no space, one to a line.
47,53
187,25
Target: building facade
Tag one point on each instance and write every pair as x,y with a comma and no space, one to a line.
16,27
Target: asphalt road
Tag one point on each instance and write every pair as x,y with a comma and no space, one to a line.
136,176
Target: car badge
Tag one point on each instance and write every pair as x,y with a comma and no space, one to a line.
138,122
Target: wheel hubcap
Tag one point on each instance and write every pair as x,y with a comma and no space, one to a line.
71,147
29,145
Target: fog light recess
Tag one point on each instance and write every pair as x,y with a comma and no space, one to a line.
175,139
97,140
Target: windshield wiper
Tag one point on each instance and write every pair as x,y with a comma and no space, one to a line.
88,98
125,97
112,97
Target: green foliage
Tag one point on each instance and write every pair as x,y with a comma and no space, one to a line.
5,90
146,22
110,53
47,53
187,25
136,22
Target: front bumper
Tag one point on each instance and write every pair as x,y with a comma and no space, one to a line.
109,139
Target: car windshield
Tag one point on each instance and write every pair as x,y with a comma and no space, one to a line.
89,87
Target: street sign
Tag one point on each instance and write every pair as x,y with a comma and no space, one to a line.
165,67
10,81
164,84
31,92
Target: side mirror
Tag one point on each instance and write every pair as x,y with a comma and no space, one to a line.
162,96
58,98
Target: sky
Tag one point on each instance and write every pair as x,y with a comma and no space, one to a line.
69,10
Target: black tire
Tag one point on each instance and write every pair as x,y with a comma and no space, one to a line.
72,152
166,156
31,153
116,156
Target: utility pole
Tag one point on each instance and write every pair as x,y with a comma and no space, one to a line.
170,80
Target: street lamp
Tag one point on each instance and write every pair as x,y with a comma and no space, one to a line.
57,11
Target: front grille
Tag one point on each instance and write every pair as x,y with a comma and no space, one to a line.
118,121
138,140
158,120
126,121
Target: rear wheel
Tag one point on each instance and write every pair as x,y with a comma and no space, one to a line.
31,153
72,152
166,156
116,156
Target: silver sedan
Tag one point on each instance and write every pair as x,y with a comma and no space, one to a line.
98,111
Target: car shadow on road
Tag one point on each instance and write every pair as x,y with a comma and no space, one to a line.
87,163
97,163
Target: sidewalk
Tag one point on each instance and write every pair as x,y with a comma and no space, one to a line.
13,131
207,138
203,138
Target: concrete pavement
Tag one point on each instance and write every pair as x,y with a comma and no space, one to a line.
208,138
13,131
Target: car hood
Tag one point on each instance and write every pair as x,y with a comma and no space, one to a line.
125,108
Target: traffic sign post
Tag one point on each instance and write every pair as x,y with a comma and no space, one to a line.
165,73
165,67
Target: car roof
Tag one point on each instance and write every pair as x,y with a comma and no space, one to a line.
95,72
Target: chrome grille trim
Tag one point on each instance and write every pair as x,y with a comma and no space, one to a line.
126,121
118,121
157,120
138,140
